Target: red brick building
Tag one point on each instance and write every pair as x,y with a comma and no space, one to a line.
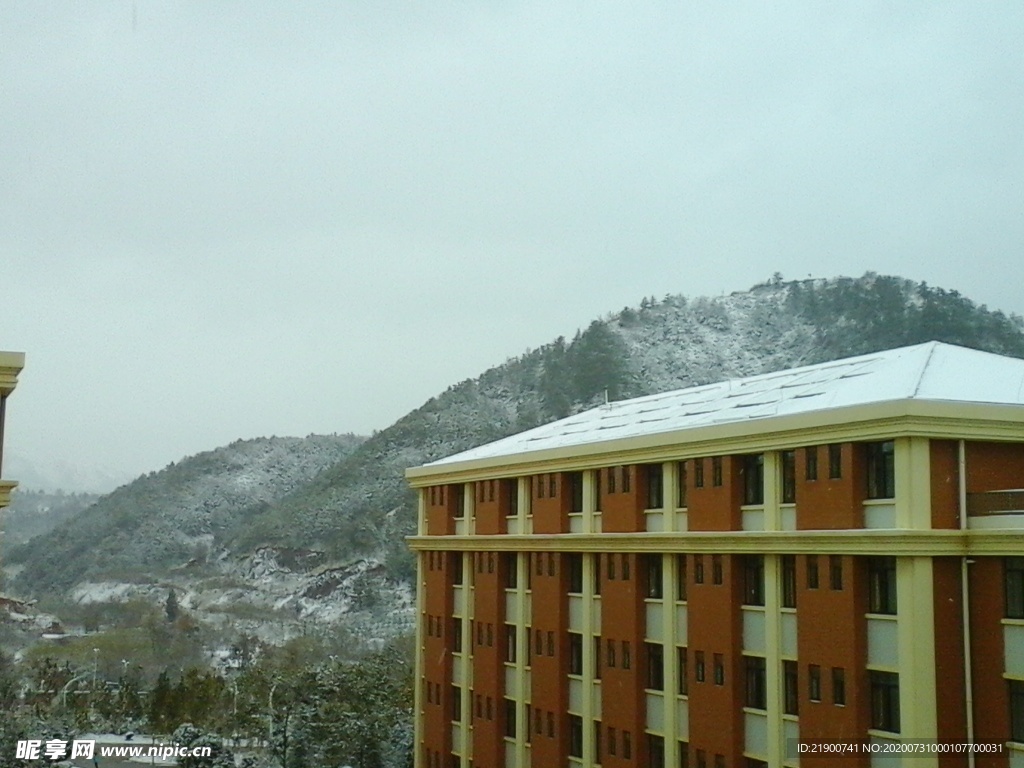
707,577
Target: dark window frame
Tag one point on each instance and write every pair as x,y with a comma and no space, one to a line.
882,595
788,469
753,479
755,677
885,700
881,470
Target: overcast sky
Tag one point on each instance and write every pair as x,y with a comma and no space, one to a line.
232,220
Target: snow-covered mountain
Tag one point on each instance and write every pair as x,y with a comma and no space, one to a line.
332,515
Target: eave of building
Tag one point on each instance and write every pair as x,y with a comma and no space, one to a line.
866,422
864,542
11,364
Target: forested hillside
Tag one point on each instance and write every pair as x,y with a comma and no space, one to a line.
359,504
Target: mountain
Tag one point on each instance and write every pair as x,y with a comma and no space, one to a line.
350,504
51,475
33,513
175,516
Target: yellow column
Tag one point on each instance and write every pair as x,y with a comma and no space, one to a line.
912,463
417,689
466,660
916,641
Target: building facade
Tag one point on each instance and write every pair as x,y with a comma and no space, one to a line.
11,364
738,575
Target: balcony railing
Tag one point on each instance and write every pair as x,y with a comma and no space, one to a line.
1008,502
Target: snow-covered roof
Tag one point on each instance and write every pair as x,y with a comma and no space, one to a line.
924,372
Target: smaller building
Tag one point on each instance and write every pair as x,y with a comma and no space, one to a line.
11,364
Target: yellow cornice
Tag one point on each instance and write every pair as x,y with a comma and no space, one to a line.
6,486
875,421
935,543
11,364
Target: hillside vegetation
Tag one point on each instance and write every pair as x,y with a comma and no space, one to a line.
351,501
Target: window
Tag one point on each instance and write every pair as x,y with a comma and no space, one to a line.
789,581
835,572
552,485
490,708
682,683
625,567
698,473
839,686
1016,710
654,498
655,751
460,503
575,736
788,477
716,471
611,479
627,745
575,492
597,489
529,645
510,718
753,579
551,643
716,569
684,754
538,645
510,567
510,643
702,761
625,480
885,701
753,762
882,585
596,562
655,666
698,569
753,479
812,571
574,561
456,635
551,725
597,658
653,581
698,666
719,669
511,497
811,462
814,682
835,461
612,750
680,577
490,562
597,742
719,761
575,653
457,568
490,635
551,564
538,559
790,688
626,656
755,679
456,695
681,484
881,470
1013,568
611,653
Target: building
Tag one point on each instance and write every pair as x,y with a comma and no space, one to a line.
703,578
11,364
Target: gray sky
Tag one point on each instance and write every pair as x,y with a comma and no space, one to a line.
231,220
